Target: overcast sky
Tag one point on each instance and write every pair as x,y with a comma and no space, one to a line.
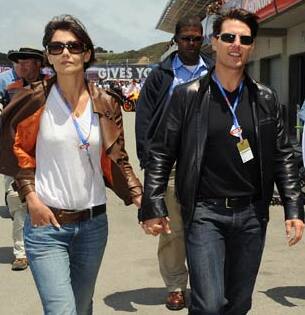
117,25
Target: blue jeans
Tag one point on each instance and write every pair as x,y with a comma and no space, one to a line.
224,250
65,263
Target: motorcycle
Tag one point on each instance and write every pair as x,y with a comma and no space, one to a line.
129,103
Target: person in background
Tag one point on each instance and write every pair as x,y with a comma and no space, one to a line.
27,63
64,147
30,62
183,65
7,77
227,134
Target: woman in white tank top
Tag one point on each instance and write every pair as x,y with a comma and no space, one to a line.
76,131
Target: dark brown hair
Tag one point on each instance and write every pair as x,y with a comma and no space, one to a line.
236,14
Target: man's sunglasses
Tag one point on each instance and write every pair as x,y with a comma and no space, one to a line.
230,38
75,47
195,39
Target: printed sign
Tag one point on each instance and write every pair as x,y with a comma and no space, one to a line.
119,72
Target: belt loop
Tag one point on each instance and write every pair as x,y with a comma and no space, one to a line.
91,213
227,203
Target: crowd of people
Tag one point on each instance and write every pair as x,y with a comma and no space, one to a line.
212,143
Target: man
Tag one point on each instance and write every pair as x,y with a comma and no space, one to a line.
228,137
6,78
183,65
27,64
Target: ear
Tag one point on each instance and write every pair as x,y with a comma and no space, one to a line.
49,57
214,43
252,48
87,55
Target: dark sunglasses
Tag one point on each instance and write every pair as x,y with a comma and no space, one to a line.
189,39
56,48
230,38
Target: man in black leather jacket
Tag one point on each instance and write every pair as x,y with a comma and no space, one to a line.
226,133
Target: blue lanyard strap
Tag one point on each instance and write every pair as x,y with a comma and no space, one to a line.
236,102
81,136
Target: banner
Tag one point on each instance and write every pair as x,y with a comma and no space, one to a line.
119,72
262,8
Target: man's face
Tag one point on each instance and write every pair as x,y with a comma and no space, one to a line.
189,41
28,69
17,69
232,55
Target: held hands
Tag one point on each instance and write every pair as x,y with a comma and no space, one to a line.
156,226
40,214
298,227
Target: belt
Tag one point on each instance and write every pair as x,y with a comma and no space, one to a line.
230,202
64,216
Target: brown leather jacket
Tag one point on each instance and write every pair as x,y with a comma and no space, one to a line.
19,128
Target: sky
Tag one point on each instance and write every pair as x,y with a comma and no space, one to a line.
118,25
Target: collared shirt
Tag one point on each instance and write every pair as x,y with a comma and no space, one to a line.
6,78
184,73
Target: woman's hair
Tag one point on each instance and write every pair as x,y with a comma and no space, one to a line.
71,24
236,14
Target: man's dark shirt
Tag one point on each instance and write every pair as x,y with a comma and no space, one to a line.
223,172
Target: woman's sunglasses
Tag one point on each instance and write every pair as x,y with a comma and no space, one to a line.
230,38
56,48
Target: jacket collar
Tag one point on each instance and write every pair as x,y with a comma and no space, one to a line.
258,92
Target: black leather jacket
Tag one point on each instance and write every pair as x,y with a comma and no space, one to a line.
181,137
151,102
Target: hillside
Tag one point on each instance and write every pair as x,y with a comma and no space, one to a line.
146,55
149,54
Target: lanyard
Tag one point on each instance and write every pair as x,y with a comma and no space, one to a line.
84,141
236,125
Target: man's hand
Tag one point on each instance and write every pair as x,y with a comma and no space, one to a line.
156,226
40,214
298,227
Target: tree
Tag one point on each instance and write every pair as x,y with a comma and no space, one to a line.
100,50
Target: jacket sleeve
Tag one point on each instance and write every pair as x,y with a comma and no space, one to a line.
118,173
145,111
161,157
286,170
24,150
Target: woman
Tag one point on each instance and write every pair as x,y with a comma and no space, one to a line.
68,140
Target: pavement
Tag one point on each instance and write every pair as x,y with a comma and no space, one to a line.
129,280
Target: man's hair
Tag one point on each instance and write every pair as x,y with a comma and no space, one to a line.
236,14
187,21
71,24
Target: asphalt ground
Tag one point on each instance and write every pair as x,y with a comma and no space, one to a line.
129,280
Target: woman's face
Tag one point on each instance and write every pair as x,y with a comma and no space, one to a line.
69,59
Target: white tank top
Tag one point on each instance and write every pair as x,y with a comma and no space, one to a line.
64,177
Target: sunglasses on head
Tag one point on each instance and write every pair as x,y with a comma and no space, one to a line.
230,38
75,47
190,38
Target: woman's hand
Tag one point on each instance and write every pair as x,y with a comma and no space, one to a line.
40,214
137,201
